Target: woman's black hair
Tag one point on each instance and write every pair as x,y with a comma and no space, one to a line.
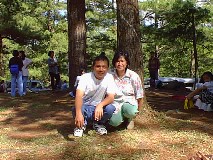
101,57
82,70
22,55
209,74
50,52
15,53
121,54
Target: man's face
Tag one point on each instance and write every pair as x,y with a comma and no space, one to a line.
206,78
100,69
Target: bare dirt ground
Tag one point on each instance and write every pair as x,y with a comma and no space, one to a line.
59,110
39,115
163,100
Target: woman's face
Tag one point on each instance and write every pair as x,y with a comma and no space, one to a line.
52,54
121,64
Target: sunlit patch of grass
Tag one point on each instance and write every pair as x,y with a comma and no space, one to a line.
4,140
3,108
5,116
45,140
7,129
156,136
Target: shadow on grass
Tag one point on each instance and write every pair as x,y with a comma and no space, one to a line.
52,110
192,119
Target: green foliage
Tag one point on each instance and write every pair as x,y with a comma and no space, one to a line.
101,28
39,26
29,25
171,31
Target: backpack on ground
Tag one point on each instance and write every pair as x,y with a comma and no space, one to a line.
14,69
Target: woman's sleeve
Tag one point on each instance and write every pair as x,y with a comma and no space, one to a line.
139,92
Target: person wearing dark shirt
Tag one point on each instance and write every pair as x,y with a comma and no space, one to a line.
16,79
154,65
53,70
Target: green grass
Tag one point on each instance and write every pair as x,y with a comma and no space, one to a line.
38,129
3,108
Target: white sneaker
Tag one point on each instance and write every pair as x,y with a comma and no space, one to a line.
100,129
130,125
71,94
78,132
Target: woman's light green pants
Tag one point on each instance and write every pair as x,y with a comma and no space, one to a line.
127,111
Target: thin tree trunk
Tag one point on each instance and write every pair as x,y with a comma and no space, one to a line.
77,38
1,58
195,48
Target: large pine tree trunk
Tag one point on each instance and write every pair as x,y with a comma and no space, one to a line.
77,38
129,36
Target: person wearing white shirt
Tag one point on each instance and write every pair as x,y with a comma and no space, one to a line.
129,83
204,93
25,71
94,97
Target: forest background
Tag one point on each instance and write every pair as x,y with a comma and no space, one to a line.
167,27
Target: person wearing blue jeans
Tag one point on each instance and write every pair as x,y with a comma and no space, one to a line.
16,78
25,71
94,97
88,113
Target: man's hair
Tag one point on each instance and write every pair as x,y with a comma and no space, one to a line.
15,53
101,57
209,74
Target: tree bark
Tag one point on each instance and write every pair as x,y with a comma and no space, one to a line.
129,35
77,38
1,58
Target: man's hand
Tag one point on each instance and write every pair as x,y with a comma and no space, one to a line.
98,112
79,121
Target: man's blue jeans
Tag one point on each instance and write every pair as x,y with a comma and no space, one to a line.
16,79
88,113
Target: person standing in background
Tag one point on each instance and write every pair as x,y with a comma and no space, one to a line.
73,93
2,86
64,86
154,66
15,63
25,72
53,70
